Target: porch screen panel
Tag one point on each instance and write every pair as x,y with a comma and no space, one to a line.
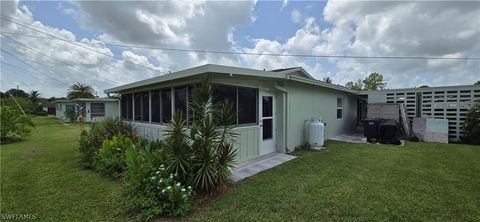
181,101
166,105
155,97
127,106
247,105
145,106
137,97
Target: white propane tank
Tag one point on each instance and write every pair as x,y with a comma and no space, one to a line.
316,134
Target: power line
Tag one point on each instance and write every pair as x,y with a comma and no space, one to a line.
73,66
271,54
79,45
53,67
15,57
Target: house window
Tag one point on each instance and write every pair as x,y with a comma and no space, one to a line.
155,97
137,102
339,108
145,106
181,101
127,106
97,109
166,98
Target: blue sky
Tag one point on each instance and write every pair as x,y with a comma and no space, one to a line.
290,27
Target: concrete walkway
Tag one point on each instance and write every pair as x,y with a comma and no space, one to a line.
255,166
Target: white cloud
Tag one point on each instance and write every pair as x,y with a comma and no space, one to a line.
296,15
284,4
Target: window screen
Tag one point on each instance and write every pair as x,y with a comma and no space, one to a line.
127,106
181,100
145,106
166,105
137,97
155,96
247,105
97,109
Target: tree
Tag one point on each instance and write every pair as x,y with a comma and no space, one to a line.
424,86
34,97
358,85
17,93
80,90
477,83
327,80
374,81
14,125
471,126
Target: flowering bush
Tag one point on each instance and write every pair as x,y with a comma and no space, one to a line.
160,193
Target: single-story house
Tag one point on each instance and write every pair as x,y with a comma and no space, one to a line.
273,107
93,109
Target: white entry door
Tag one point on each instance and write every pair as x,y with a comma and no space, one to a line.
267,123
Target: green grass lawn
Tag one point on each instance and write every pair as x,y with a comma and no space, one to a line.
422,181
41,176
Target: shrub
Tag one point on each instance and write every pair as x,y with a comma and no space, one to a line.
151,190
70,114
91,140
471,127
14,124
110,160
206,155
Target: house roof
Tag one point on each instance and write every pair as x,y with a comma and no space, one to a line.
49,104
86,100
294,74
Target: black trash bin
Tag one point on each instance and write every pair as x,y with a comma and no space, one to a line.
370,128
389,132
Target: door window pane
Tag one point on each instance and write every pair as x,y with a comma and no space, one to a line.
145,106
267,106
247,105
166,105
155,95
137,97
267,129
181,100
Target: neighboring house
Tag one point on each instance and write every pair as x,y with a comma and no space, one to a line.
272,106
49,108
92,109
444,102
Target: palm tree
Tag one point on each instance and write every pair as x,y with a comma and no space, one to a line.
80,90
34,96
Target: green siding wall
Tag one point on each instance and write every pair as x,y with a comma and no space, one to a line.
306,101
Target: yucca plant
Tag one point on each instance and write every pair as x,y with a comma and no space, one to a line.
203,156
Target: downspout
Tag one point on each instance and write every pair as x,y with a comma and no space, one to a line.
284,116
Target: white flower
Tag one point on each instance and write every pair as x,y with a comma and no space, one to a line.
189,187
161,180
157,172
163,191
184,196
171,176
183,189
175,174
169,187
162,166
178,184
153,178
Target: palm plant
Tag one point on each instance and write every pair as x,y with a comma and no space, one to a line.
205,156
34,96
79,90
